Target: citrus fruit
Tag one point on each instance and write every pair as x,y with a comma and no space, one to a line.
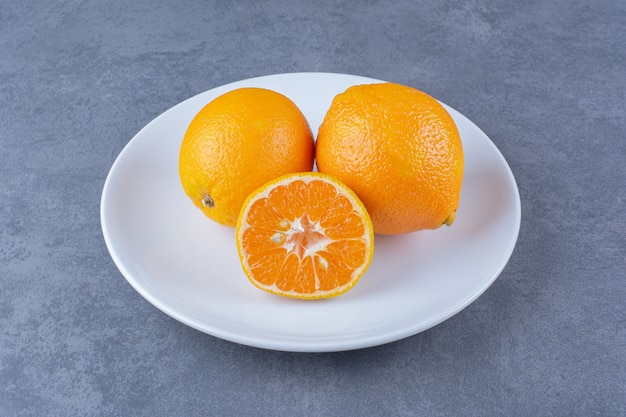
304,235
399,150
236,143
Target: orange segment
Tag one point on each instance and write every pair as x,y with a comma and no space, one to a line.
304,235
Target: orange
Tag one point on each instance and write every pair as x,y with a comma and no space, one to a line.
236,143
304,236
399,150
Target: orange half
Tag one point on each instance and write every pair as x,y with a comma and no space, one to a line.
304,235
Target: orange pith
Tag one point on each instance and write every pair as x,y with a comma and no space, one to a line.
305,236
399,150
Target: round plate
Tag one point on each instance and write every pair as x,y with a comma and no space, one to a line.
187,266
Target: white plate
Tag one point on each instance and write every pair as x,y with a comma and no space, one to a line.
187,265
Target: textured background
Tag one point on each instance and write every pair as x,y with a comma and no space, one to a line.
545,80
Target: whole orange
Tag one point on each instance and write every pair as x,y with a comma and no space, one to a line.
238,142
399,150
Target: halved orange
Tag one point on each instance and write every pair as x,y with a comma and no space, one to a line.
304,235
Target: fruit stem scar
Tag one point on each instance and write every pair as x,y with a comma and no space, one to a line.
450,219
207,201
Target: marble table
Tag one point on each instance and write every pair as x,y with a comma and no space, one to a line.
545,81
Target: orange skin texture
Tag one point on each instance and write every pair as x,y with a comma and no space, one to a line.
236,143
399,150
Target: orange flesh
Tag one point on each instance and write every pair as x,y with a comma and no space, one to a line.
304,239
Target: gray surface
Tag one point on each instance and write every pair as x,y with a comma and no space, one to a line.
545,80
